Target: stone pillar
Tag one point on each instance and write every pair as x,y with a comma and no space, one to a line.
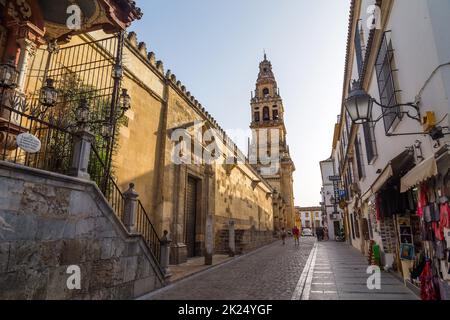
209,240
165,254
130,209
27,49
231,239
81,153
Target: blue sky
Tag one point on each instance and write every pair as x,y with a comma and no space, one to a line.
214,47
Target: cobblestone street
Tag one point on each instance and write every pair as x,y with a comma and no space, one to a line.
270,273
313,271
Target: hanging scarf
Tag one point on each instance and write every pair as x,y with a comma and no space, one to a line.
427,287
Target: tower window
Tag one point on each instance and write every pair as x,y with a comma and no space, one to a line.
266,114
266,92
256,116
275,115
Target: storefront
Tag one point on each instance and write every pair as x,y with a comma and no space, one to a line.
389,222
429,263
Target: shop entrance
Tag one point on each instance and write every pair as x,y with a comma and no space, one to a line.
191,216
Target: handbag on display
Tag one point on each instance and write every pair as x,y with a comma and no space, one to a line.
436,212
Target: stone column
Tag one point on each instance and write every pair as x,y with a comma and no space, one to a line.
209,223
165,254
27,49
130,209
81,153
231,239
209,240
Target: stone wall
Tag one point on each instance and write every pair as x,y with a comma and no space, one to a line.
246,240
49,222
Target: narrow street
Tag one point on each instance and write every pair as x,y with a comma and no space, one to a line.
270,273
313,271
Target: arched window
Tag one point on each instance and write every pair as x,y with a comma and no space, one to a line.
266,92
256,117
266,114
275,115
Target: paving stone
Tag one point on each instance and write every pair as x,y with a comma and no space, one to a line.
271,273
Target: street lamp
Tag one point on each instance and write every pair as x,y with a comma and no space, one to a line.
8,74
359,106
125,101
49,95
82,113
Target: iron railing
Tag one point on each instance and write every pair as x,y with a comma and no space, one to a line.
18,117
145,227
109,188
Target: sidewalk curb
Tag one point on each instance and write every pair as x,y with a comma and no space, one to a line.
305,276
148,296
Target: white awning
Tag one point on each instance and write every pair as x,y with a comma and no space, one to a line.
422,172
387,173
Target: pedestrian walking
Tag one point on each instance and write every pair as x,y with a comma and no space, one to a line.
283,235
296,233
319,233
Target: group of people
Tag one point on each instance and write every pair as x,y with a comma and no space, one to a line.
295,233
321,233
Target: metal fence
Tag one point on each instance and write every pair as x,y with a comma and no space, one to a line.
89,71
145,227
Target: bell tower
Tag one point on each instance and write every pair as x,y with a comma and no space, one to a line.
269,137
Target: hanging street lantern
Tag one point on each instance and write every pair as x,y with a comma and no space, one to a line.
125,101
359,104
117,72
8,74
49,95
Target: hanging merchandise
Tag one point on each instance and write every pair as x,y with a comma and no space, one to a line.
428,290
439,250
422,202
444,289
438,232
445,215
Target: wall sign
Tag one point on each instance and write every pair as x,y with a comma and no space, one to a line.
28,143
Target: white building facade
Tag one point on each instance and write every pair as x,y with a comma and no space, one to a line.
399,52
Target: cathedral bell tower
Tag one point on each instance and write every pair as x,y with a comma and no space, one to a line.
269,136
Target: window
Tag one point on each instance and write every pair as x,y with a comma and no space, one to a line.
386,86
353,226
275,114
256,117
358,49
266,92
356,226
370,142
359,161
266,114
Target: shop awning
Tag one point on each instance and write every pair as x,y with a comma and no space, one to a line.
396,167
422,172
387,173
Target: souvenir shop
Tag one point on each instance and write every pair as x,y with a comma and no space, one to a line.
409,215
391,215
427,253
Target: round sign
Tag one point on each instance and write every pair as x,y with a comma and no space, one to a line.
28,143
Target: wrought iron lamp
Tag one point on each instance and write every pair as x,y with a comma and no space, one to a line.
359,106
49,95
125,101
8,74
82,113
